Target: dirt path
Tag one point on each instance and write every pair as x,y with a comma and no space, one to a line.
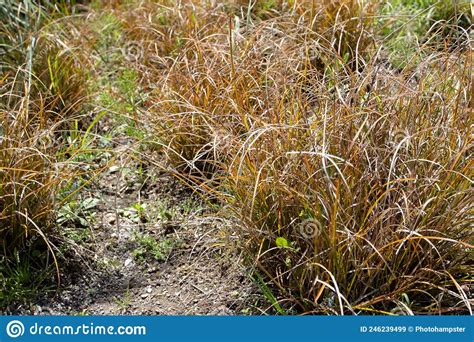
154,248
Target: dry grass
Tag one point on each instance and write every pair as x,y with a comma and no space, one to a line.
43,89
350,177
352,180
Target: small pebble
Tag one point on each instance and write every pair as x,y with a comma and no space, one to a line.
110,218
128,262
114,169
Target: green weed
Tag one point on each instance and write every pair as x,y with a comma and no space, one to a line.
151,249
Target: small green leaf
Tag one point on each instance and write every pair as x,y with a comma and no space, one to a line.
281,242
83,222
90,203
